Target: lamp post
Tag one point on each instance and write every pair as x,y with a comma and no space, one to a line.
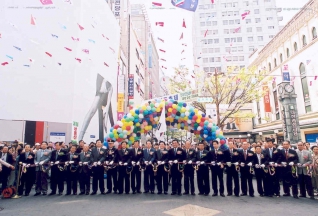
248,135
260,134
240,136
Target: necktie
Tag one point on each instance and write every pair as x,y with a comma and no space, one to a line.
200,154
270,152
42,153
136,151
286,154
27,154
148,151
187,151
71,156
175,152
259,159
245,154
98,149
57,154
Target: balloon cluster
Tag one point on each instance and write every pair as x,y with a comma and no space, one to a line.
178,115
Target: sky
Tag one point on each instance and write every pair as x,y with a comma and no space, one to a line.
172,30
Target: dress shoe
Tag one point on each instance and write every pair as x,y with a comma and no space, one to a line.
60,193
152,192
312,197
166,192
67,194
138,192
186,193
159,192
173,193
103,193
146,192
126,192
229,194
44,194
26,194
222,195
270,195
115,192
87,193
108,192
215,194
237,195
52,193
286,194
74,193
81,193
206,194
134,192
243,194
193,194
93,193
252,195
179,194
295,196
200,194
37,194
120,193
302,196
261,195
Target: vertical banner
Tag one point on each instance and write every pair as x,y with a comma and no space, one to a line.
131,86
121,97
117,9
267,102
285,73
190,5
74,131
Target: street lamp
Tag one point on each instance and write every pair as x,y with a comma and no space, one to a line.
260,134
240,136
248,135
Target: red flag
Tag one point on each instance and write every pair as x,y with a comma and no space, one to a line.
206,33
79,60
75,39
4,63
315,77
237,29
212,1
160,24
46,2
184,24
161,50
182,51
163,59
69,49
80,27
184,44
106,64
32,20
161,40
49,54
139,43
181,37
85,51
156,4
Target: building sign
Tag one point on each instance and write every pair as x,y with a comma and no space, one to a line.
131,86
190,5
120,97
285,72
284,123
57,137
267,102
117,9
205,99
74,131
189,96
293,124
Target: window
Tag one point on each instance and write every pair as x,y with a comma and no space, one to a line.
248,21
269,66
208,23
259,29
256,11
137,53
224,13
235,58
231,22
257,20
228,58
210,41
213,14
225,22
214,23
217,59
235,13
281,58
287,53
201,7
223,5
217,50
204,50
214,32
246,3
269,18
226,31
233,40
275,63
233,49
230,13
204,40
249,29
205,60
314,33
240,48
271,27
216,40
241,58
227,49
250,39
227,40
304,85
206,69
235,4
255,2
229,5
202,23
271,36
251,48
304,40
201,15
210,50
295,47
239,39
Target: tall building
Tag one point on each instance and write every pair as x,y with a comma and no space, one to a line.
292,51
227,32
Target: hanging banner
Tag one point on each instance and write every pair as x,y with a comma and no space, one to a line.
117,9
74,131
189,96
121,97
131,86
267,102
190,5
285,73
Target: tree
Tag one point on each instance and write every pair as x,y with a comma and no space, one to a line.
180,81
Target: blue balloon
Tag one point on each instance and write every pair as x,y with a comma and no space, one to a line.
137,112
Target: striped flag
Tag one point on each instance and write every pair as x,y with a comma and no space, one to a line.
308,62
156,4
160,24
161,40
181,37
237,29
161,50
184,24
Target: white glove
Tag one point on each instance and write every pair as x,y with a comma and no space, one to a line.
98,163
291,164
125,164
85,163
256,165
190,162
213,163
242,164
202,162
284,163
271,163
71,162
170,162
146,162
299,165
228,164
138,163
66,163
52,163
159,162
262,165
107,162
28,165
80,163
219,164
37,164
250,164
184,161
41,163
24,164
111,163
275,164
150,162
236,163
304,165
57,162
175,161
120,163
198,162
133,163
95,163
104,147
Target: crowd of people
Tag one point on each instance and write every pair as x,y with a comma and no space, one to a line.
161,164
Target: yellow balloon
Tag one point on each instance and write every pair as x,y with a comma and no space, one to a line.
170,110
198,121
142,131
115,131
137,124
131,123
132,112
158,109
123,127
144,107
196,111
174,106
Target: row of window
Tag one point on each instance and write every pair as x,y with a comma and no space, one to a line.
234,30
231,40
212,69
227,58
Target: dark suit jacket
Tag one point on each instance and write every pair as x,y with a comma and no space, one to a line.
76,157
149,157
112,155
204,157
136,157
218,156
235,157
264,159
61,157
292,156
181,156
161,155
275,155
124,156
27,160
249,157
85,157
98,156
191,155
9,160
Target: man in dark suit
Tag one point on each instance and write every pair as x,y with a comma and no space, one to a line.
27,180
176,156
273,186
136,154
218,159
72,163
261,163
124,159
58,173
289,160
247,158
148,159
84,171
4,174
111,161
202,158
98,158
233,161
161,158
188,169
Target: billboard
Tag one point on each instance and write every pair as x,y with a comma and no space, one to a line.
60,63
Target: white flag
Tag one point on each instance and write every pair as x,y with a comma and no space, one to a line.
162,127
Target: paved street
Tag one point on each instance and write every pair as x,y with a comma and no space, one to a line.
148,204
